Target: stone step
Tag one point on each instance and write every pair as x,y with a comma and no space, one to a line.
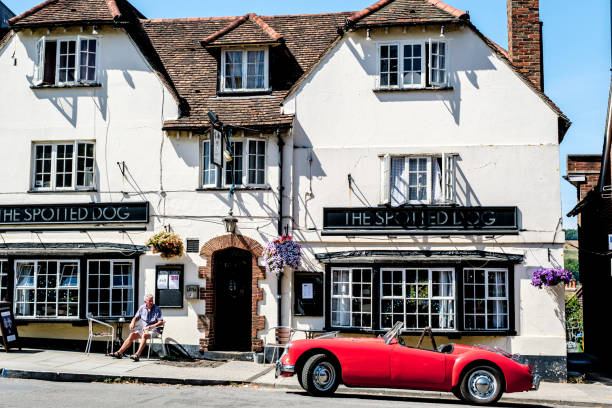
228,355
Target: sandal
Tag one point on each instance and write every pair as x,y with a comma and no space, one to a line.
135,357
116,354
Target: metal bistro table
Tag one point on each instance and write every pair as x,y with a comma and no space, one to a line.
119,332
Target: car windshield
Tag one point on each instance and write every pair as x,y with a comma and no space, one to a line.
390,335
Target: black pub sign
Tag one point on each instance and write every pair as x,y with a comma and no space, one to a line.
420,220
86,213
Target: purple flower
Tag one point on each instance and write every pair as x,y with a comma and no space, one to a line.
550,277
281,252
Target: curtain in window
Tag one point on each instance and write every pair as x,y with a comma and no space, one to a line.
398,184
437,182
255,69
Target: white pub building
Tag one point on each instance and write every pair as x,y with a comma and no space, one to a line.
415,161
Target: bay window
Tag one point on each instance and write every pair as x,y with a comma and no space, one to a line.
244,70
47,288
449,299
247,167
421,64
66,61
417,179
62,166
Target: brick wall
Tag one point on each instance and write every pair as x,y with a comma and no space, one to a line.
524,38
587,165
206,323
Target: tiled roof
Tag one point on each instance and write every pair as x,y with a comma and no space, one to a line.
58,12
248,29
392,12
178,43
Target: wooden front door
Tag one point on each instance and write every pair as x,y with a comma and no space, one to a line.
232,277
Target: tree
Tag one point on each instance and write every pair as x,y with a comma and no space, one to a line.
571,234
571,264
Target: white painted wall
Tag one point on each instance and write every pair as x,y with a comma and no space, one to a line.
506,138
125,117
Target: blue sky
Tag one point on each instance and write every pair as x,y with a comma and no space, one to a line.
576,53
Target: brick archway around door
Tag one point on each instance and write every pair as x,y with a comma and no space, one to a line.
206,322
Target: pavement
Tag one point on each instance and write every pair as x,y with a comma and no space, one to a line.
71,366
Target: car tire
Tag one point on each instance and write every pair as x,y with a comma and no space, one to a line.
320,376
457,393
481,385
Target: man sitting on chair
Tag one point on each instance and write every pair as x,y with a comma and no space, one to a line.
151,317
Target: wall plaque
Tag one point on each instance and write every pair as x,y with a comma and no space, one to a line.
437,220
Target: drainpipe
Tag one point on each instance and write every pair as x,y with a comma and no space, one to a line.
281,188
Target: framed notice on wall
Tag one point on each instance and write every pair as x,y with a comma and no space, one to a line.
169,286
8,328
308,296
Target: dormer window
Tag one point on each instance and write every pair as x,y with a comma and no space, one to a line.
244,70
66,61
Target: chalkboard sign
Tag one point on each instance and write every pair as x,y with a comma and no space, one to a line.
169,286
10,338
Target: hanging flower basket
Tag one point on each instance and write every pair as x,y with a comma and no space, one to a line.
550,277
166,244
281,252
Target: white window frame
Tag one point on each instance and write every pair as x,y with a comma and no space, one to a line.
426,65
4,272
17,287
39,66
430,297
112,286
350,297
211,167
245,70
486,299
54,145
447,184
243,182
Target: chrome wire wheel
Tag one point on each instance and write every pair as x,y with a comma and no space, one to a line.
482,385
324,376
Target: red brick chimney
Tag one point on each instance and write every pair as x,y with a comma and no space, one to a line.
525,39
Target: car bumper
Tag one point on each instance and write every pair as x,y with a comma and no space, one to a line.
284,370
535,382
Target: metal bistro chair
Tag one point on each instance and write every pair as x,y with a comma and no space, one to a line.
155,335
282,336
110,337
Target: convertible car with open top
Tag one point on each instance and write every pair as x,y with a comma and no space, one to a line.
474,374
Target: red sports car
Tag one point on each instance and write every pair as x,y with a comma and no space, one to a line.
478,375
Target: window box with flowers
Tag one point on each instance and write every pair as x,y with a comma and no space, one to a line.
167,244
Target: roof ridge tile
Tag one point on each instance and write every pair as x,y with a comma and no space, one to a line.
449,9
275,36
236,23
113,9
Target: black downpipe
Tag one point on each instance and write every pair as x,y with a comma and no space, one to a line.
281,188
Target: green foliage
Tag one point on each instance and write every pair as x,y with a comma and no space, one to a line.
571,264
571,234
573,311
